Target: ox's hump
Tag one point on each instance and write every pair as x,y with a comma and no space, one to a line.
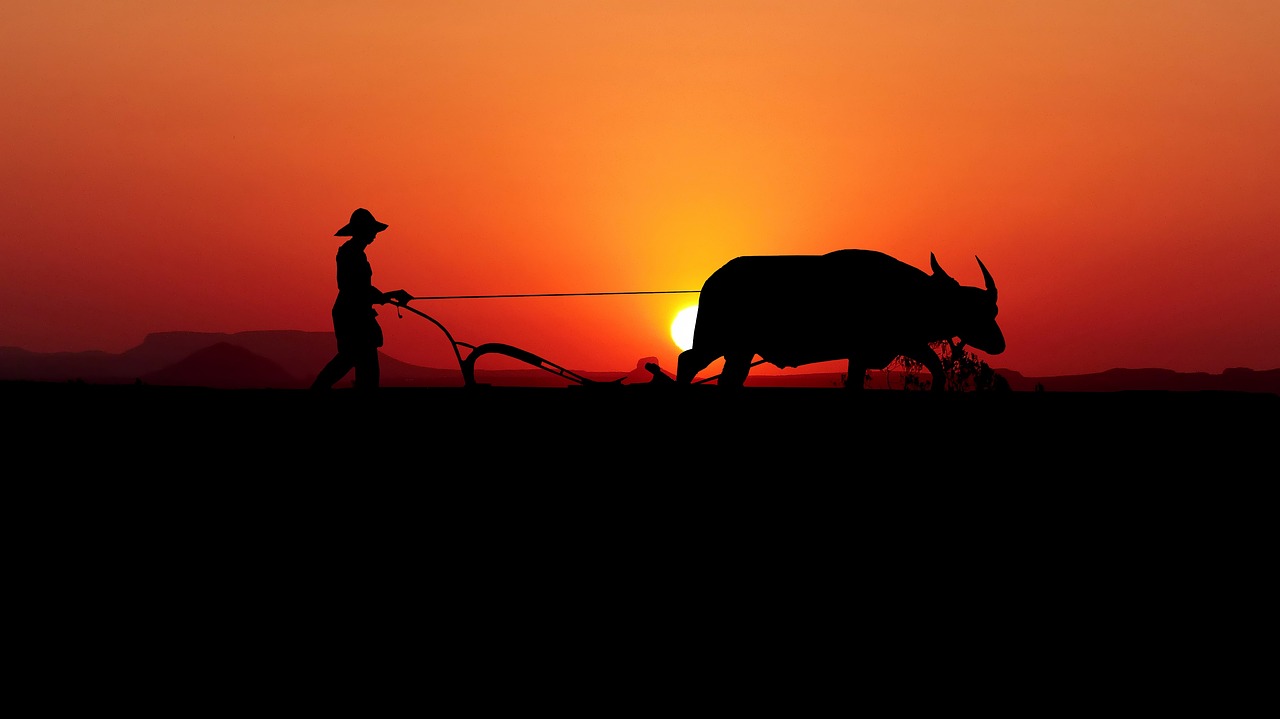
866,269
872,261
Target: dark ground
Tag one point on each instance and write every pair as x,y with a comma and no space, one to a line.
1044,549
604,458
796,460
761,434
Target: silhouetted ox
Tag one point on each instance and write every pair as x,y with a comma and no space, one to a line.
859,305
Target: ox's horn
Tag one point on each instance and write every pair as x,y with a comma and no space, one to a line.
937,269
991,284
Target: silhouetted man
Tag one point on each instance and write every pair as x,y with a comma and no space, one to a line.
355,321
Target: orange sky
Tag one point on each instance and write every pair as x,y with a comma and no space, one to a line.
183,166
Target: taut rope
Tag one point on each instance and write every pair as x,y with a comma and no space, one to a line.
556,294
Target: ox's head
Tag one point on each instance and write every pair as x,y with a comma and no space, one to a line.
973,310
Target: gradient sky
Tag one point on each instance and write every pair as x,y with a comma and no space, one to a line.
184,165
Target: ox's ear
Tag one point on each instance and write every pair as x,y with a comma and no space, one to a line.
937,269
986,276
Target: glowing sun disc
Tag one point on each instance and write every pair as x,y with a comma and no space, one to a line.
682,327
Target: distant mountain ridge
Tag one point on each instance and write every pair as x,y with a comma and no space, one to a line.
289,359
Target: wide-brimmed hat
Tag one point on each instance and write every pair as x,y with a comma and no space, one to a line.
361,223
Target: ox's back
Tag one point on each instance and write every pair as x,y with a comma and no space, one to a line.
796,309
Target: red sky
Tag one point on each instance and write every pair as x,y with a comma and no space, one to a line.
184,165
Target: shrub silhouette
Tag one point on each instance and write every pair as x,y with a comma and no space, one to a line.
965,371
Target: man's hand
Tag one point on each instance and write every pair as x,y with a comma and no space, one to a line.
400,297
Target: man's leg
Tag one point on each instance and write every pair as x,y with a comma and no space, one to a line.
337,368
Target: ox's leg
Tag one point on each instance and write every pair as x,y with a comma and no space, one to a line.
929,359
736,367
690,363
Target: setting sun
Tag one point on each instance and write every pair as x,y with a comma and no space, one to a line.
682,327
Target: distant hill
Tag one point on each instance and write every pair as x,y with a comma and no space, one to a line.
289,359
222,366
1236,379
